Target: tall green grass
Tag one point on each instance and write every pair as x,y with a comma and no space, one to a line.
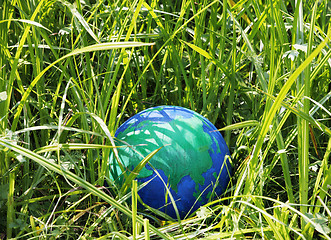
72,72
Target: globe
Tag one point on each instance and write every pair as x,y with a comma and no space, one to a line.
191,168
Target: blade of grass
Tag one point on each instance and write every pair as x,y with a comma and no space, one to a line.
233,86
248,123
146,229
323,180
303,128
10,204
304,173
136,171
80,18
70,146
134,208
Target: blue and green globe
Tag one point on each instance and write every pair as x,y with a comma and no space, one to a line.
192,165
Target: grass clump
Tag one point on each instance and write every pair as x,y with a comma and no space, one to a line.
72,72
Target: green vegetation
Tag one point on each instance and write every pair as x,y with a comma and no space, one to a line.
71,73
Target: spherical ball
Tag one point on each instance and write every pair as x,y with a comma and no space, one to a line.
192,165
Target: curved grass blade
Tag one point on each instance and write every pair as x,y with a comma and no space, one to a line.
71,146
53,127
36,24
81,19
208,56
136,171
249,123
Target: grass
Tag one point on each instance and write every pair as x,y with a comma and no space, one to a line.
72,72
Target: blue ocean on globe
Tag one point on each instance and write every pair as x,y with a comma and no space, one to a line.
193,165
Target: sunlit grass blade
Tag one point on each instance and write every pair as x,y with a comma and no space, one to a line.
244,124
323,180
134,191
81,19
31,22
208,56
136,171
11,204
70,146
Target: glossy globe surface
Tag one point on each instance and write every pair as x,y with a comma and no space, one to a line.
193,165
